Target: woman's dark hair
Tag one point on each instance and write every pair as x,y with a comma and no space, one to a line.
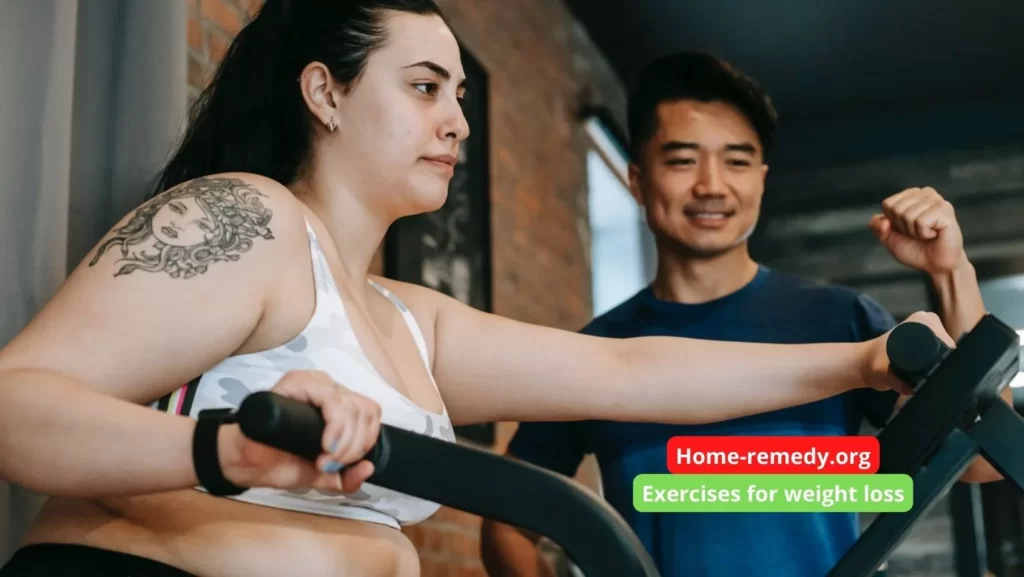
251,117
702,77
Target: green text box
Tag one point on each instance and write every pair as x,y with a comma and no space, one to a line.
773,493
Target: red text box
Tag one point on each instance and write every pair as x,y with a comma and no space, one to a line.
783,455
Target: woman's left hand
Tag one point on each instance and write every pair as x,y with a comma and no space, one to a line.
876,367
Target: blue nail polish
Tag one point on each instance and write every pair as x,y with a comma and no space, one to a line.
334,446
332,467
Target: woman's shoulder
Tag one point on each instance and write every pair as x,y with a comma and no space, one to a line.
239,205
243,190
198,224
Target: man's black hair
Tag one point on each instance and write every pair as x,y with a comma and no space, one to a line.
696,76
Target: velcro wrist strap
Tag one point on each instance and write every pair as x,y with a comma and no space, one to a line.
205,457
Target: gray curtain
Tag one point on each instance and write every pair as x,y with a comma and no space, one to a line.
92,100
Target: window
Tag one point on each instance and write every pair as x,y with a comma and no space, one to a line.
621,245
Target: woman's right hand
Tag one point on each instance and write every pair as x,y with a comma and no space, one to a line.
352,428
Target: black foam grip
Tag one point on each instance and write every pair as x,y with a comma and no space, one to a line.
591,533
914,351
289,425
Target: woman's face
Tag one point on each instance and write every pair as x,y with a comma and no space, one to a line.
182,222
401,126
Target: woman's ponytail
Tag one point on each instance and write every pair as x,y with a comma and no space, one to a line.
249,118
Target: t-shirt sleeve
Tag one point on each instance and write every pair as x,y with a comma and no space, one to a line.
555,446
871,320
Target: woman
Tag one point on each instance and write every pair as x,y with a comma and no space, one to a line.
326,122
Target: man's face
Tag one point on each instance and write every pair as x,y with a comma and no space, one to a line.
701,177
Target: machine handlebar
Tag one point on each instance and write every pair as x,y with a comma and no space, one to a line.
914,351
590,532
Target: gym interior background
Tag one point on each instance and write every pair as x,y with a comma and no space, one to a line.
874,97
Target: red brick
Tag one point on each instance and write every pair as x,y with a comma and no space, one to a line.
195,35
196,69
465,545
456,517
218,44
223,14
435,539
416,534
471,571
250,7
435,568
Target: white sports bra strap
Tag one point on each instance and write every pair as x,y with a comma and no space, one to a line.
410,321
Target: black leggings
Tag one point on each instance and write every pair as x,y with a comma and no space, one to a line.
61,560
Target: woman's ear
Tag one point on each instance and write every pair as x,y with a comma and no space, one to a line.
321,94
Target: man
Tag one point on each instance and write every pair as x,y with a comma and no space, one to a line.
699,134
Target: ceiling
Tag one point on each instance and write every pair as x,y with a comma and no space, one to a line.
823,60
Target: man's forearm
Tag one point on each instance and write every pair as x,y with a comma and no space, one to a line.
961,308
959,299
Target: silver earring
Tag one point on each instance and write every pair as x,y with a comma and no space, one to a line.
331,125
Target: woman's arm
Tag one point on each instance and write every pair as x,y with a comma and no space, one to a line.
491,368
125,329
60,437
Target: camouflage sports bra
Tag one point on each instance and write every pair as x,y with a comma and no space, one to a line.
327,344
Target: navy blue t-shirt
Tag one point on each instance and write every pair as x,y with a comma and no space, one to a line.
772,308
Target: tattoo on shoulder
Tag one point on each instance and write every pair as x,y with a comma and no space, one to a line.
185,229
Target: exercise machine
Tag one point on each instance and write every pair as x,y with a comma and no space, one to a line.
589,530
955,415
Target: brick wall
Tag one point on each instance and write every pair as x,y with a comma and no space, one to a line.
540,64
